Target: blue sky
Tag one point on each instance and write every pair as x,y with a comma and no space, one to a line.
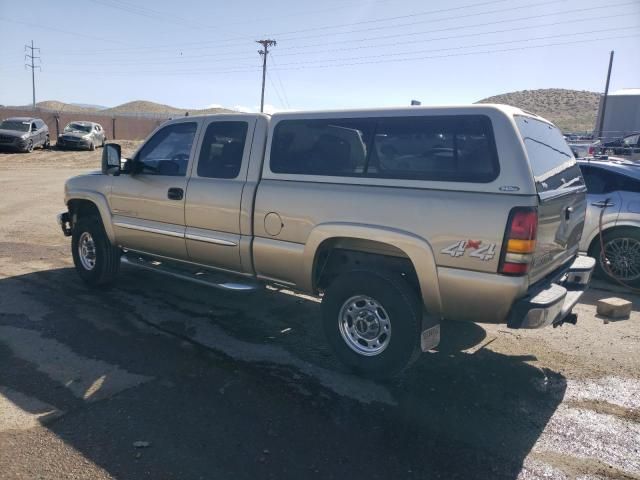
330,54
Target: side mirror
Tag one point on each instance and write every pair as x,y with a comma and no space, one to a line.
111,159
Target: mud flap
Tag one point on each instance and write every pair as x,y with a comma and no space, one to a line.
430,336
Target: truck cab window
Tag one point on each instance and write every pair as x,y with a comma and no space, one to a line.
168,151
222,149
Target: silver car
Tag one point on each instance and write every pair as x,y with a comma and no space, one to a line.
82,135
613,187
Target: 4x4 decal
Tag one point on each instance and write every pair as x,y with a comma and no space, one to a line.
476,249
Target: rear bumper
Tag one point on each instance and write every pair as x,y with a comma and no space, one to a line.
550,301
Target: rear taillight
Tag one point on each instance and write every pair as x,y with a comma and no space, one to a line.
519,241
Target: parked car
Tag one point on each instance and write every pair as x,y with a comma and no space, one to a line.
627,147
399,217
24,134
613,185
82,135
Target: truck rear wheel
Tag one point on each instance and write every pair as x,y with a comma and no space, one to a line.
96,260
372,321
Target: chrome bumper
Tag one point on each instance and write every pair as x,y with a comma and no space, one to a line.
551,302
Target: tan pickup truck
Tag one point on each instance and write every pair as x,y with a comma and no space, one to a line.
398,218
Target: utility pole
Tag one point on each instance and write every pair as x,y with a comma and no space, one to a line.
604,99
33,67
265,44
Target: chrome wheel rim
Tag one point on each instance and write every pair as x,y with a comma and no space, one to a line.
622,258
87,251
364,325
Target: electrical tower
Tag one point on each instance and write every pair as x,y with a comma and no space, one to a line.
265,45
33,67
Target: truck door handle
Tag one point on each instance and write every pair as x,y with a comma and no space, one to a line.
603,204
568,212
175,194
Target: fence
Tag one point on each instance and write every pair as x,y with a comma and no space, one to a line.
122,127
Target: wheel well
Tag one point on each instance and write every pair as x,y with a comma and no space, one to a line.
82,208
606,231
339,255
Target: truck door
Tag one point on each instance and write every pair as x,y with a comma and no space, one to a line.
148,207
214,194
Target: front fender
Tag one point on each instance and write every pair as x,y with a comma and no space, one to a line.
100,202
416,248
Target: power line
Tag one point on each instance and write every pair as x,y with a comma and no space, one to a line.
232,55
33,67
588,40
59,30
273,60
351,41
573,20
275,89
417,14
528,17
352,63
244,38
406,53
264,52
478,45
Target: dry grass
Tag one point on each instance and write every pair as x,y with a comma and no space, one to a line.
571,110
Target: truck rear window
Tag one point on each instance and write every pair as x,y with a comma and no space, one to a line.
552,162
442,148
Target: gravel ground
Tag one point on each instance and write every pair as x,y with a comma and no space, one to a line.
225,385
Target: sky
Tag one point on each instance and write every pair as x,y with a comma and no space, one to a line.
329,54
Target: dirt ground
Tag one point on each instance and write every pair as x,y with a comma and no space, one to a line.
226,385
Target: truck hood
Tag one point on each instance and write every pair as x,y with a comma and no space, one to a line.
13,133
88,185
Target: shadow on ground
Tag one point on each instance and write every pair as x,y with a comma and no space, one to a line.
239,386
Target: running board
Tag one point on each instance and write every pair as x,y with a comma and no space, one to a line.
200,276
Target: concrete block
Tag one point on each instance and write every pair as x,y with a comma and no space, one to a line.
614,307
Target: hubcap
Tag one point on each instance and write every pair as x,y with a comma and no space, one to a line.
622,257
364,325
87,251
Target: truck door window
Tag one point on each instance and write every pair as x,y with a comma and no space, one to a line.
222,149
168,151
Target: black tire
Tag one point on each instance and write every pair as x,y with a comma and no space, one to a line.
633,235
92,146
106,256
29,147
398,300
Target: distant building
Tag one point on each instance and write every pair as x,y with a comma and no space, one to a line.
622,115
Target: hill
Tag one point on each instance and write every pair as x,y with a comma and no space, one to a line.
141,107
138,107
64,107
571,110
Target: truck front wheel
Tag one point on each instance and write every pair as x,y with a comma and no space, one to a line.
372,321
96,260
